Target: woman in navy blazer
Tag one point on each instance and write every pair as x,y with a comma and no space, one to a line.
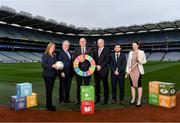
49,73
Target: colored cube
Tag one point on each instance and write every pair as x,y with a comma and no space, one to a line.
18,103
162,94
167,101
154,87
167,89
154,99
32,101
87,107
87,93
24,89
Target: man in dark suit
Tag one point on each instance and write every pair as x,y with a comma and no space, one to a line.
66,74
83,65
101,56
118,66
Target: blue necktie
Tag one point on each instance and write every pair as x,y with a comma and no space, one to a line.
69,56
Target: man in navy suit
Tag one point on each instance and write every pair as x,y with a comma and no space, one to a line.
118,66
66,74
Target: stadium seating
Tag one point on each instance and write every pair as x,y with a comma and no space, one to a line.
5,58
172,56
151,42
156,57
9,56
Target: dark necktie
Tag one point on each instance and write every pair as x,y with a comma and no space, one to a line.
117,56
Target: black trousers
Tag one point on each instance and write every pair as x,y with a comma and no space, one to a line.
81,81
117,80
64,88
98,78
49,83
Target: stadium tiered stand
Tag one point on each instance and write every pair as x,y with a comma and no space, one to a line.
156,57
12,56
172,56
23,37
5,59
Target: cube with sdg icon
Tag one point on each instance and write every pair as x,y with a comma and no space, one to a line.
87,93
154,87
32,100
167,101
167,89
162,94
154,99
24,89
87,107
18,103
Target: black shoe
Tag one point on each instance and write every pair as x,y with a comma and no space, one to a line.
69,101
63,103
52,108
139,105
113,101
78,103
121,102
132,103
104,102
97,101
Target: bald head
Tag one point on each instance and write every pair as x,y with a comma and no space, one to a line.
82,42
100,43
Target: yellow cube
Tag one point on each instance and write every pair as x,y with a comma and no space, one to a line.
167,101
32,100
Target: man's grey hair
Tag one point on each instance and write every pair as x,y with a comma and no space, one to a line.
66,41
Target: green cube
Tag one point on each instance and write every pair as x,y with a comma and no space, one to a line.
154,99
87,93
167,89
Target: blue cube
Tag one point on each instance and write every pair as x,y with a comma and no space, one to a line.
24,89
18,103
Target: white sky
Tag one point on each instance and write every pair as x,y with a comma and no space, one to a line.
100,13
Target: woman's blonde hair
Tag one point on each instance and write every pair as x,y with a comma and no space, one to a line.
48,47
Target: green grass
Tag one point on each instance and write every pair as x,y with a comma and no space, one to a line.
12,73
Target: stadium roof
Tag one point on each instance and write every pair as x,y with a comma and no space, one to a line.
25,19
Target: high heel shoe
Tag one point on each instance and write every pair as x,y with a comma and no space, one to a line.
132,103
139,105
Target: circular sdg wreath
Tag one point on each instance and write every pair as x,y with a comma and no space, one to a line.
91,69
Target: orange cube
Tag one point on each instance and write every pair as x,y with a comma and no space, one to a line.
167,101
32,100
154,87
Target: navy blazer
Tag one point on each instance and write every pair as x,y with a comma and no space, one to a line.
120,64
47,62
68,65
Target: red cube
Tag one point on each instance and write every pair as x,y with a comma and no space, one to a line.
87,107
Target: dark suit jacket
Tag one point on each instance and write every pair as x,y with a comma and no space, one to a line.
47,62
68,65
120,64
103,61
84,65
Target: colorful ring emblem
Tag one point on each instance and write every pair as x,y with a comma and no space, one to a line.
91,69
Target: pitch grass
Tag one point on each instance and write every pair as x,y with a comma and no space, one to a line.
12,73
